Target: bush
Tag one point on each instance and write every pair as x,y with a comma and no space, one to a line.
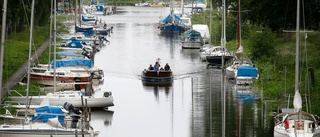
261,43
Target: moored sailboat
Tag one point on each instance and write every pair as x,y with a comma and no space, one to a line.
297,123
44,128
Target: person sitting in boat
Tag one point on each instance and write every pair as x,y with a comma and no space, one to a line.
156,66
105,26
150,67
167,67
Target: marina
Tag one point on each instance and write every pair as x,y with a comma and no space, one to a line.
198,102
191,106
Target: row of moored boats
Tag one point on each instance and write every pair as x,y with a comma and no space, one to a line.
62,108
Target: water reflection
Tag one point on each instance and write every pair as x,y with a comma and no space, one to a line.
102,117
246,95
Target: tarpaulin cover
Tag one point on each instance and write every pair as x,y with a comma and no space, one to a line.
87,19
72,62
169,18
192,34
75,44
47,112
247,71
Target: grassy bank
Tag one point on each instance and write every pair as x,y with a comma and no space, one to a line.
16,52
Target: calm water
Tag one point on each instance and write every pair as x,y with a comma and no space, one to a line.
191,107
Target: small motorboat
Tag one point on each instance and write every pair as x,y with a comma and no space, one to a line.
157,74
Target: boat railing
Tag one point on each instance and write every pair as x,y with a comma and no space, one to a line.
11,103
15,91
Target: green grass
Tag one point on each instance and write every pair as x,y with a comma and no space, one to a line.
16,51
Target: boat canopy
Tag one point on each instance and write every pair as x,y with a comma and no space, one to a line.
192,34
169,18
72,62
203,29
47,112
247,71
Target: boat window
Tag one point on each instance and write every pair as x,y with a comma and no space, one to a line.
295,117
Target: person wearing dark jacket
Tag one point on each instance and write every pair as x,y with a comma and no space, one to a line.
167,67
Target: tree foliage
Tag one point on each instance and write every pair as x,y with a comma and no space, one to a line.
281,14
278,14
261,44
19,13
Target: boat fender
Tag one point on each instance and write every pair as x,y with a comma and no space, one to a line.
107,94
286,124
101,72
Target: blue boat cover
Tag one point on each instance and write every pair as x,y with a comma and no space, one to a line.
87,19
53,111
72,62
169,19
68,54
86,31
99,7
247,71
192,34
74,44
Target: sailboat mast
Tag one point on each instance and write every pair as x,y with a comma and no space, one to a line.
210,27
182,7
239,26
75,16
29,59
223,44
4,17
54,44
223,38
296,81
50,40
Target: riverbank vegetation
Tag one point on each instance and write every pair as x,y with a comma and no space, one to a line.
273,52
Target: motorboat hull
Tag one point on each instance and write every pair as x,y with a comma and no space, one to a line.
157,76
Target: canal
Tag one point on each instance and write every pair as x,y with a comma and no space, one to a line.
199,103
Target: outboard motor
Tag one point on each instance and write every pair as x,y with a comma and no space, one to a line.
86,53
69,107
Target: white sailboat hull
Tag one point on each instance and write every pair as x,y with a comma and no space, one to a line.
76,102
230,73
39,130
58,99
